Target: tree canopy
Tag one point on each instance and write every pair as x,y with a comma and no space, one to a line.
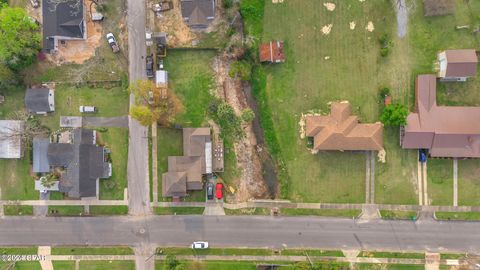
394,115
20,38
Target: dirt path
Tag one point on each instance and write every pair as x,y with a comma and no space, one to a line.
402,17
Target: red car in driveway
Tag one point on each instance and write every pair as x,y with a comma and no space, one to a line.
218,191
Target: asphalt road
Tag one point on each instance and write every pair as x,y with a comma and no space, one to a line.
137,169
248,231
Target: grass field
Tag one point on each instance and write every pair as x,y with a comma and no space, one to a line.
320,212
191,77
354,71
100,210
306,81
178,210
18,210
103,265
457,216
395,179
169,143
116,139
468,184
15,180
109,102
91,251
64,265
410,215
440,181
392,255
66,210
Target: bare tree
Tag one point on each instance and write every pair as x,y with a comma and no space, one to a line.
31,127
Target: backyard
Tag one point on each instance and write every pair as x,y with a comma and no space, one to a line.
190,77
345,64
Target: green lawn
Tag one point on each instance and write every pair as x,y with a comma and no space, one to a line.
21,265
392,255
66,210
16,183
214,265
109,102
457,216
312,252
368,266
64,265
395,180
214,251
178,210
104,265
440,181
386,214
91,251
18,250
320,212
307,81
248,211
191,78
18,210
169,143
100,210
468,184
354,72
116,139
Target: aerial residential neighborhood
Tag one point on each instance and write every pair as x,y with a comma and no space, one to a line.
239,134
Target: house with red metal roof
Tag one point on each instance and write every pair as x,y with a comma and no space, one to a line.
457,65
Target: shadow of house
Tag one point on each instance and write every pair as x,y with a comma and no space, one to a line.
62,20
198,14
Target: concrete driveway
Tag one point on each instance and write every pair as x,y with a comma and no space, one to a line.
121,121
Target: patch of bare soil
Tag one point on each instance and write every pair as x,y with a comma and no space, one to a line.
171,22
78,51
250,184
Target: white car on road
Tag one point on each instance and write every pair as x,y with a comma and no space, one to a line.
200,245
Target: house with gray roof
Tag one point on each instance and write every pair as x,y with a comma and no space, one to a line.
11,138
40,155
83,163
62,20
40,100
198,14
185,172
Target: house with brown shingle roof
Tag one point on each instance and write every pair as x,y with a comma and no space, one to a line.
457,65
272,52
185,172
340,130
446,131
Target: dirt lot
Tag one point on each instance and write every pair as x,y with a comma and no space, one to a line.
171,22
78,51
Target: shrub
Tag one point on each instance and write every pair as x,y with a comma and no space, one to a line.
227,4
385,44
241,68
394,115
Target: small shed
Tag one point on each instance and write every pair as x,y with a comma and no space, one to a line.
272,52
457,65
40,100
161,78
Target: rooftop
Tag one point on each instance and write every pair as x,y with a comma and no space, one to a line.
198,13
448,131
342,131
10,138
39,100
272,52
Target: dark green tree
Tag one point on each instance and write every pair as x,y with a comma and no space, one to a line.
20,38
394,115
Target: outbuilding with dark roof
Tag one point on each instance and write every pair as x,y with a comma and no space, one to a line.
40,100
